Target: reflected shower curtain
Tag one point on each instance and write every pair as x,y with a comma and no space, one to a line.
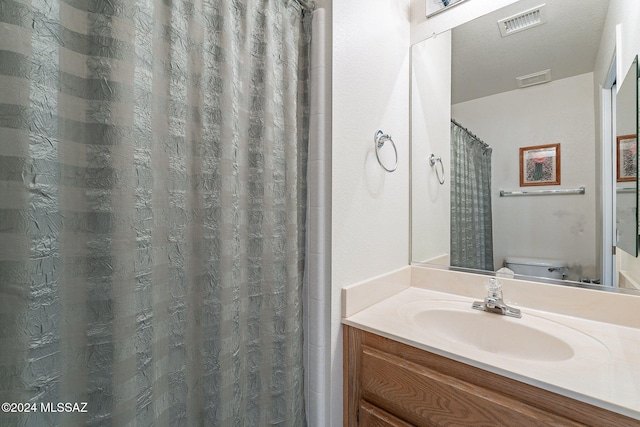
152,211
471,221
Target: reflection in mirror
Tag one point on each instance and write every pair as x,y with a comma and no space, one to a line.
627,162
554,102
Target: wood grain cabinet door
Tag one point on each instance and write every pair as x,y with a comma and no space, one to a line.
372,416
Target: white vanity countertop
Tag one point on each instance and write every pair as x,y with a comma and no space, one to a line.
604,371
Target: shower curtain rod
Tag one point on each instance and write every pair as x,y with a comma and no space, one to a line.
471,134
308,5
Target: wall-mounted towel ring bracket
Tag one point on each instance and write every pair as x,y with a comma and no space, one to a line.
379,139
432,162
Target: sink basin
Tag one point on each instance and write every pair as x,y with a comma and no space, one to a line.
530,338
493,333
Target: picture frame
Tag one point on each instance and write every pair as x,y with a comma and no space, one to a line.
434,7
540,165
626,158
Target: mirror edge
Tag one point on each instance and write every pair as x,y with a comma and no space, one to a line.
634,67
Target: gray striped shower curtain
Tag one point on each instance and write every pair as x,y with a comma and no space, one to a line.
152,211
471,217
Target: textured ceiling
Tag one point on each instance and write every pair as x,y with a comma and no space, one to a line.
484,63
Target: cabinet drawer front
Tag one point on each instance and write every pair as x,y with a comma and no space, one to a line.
418,394
372,416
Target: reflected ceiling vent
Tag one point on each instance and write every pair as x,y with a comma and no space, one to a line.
534,79
523,20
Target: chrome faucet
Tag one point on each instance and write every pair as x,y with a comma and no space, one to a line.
493,302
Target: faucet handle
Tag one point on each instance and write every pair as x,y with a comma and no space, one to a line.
494,288
493,302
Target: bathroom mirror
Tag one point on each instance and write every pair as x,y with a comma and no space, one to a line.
475,68
627,161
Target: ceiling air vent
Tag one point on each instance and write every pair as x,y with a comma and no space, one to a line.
523,20
534,79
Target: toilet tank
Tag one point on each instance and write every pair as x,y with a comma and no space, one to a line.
538,267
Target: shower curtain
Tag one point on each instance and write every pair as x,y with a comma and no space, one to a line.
152,211
471,221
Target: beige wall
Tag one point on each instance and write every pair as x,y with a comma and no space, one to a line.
370,207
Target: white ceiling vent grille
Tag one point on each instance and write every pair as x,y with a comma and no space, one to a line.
534,79
523,21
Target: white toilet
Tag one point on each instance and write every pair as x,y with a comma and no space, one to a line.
538,267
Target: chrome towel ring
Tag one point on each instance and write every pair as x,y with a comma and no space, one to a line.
379,139
432,162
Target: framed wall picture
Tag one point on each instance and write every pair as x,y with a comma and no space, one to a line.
627,158
434,7
540,165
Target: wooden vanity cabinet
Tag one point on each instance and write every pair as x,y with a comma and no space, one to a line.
390,384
